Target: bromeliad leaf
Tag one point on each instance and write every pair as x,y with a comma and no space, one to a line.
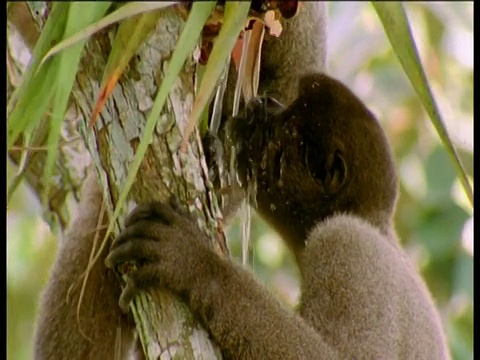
30,100
395,23
236,13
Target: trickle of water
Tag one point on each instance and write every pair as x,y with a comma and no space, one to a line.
251,187
246,222
216,116
246,217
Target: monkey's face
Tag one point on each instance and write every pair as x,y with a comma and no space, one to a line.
322,155
295,174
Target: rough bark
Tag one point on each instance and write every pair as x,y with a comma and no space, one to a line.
165,325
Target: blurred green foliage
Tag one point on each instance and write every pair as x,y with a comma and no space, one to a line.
433,220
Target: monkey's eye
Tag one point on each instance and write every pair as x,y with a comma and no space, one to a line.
261,107
272,105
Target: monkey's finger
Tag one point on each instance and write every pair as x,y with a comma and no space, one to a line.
141,212
127,295
143,229
176,204
140,252
141,280
153,211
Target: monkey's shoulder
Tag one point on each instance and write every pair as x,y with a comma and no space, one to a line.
357,278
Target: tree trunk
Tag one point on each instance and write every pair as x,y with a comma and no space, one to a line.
165,325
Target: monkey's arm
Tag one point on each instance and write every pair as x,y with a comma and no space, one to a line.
362,295
60,334
300,49
243,318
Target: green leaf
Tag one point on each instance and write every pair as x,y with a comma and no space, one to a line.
127,10
31,99
197,18
203,126
396,25
234,21
33,96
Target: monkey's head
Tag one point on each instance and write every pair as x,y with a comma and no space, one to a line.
324,154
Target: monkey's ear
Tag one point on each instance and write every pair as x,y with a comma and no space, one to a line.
336,172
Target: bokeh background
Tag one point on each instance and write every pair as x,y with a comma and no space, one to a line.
434,219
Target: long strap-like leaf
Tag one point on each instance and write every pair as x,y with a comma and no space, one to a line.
397,28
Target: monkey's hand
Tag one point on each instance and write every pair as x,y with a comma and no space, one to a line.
169,250
164,245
